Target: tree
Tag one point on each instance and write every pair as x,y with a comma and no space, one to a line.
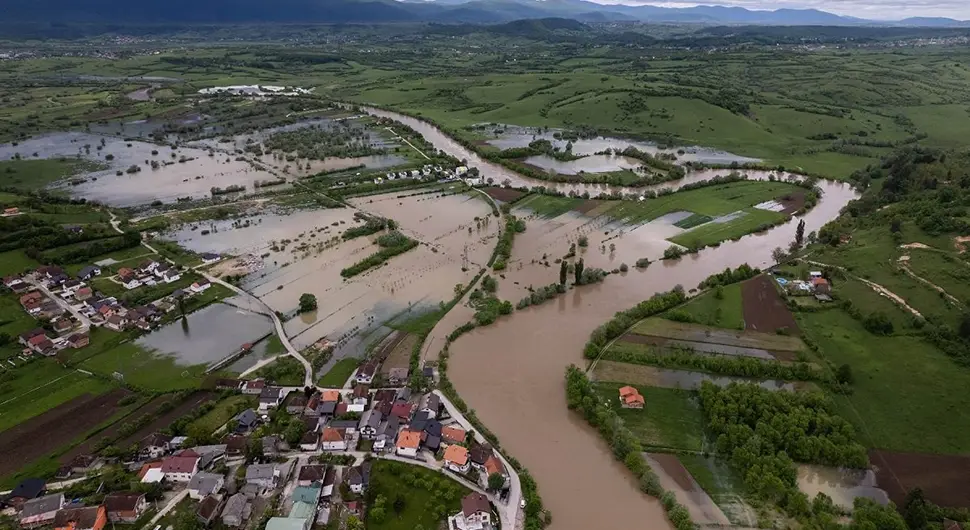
779,255
844,375
896,225
800,233
308,302
353,523
294,431
583,241
965,326
579,271
399,504
459,288
563,272
187,521
878,324
915,510
496,481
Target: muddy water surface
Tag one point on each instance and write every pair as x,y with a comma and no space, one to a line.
842,485
512,372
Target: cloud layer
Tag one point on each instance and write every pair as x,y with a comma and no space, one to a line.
872,9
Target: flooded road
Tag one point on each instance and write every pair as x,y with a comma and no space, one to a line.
512,372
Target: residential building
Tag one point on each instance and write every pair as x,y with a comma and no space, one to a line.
236,511
387,433
89,272
630,398
208,257
358,477
350,426
333,439
270,398
311,474
289,523
181,467
272,445
116,323
129,281
262,475
151,472
236,445
296,403
307,494
453,435
41,511
359,395
200,286
328,482
78,340
402,410
431,404
30,488
326,409
254,387
84,293
475,514
247,420
85,518
369,424
408,443
171,276
397,376
209,509
204,484
125,506
456,458
310,441
478,454
365,374
330,396
26,338
493,466
154,445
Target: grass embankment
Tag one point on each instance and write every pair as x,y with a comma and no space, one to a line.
391,244
339,373
717,308
32,175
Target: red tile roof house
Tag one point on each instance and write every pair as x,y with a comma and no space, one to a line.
25,338
630,398
181,467
81,518
125,506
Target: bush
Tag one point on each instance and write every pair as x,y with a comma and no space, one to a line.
673,252
878,324
643,263
583,241
623,267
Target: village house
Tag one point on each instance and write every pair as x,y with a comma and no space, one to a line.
254,387
236,445
41,511
209,257
431,404
402,410
325,410
456,458
262,475
209,509
125,506
12,281
236,511
478,454
408,443
33,297
310,410
129,280
296,403
397,376
475,514
84,293
247,420
330,395
204,484
70,287
200,286
630,398
85,518
311,474
329,480
151,473
359,395
116,323
369,424
452,434
270,398
365,374
88,272
493,466
387,433
11,211
358,477
26,490
271,445
350,426
171,276
62,325
333,439
310,441
181,467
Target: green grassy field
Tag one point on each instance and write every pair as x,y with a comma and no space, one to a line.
39,386
713,201
16,262
428,497
145,369
224,411
548,206
903,396
723,312
285,371
338,373
750,220
669,419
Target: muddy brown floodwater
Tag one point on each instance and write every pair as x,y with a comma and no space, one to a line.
512,372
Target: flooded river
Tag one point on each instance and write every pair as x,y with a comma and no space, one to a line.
512,372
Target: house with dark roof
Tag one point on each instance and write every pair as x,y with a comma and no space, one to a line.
310,441
270,398
41,511
311,473
387,433
475,514
478,454
246,420
154,445
365,374
28,489
204,484
125,506
370,422
236,445
358,477
89,272
328,482
209,509
236,511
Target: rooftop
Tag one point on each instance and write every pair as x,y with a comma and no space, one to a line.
409,440
456,454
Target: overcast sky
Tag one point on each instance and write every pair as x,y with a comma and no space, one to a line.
872,9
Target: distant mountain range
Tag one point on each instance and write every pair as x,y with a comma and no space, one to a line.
441,11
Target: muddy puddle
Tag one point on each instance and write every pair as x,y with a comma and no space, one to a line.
514,136
675,477
517,364
842,485
207,335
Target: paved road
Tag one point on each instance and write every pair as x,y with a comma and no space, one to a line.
85,321
290,350
167,508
